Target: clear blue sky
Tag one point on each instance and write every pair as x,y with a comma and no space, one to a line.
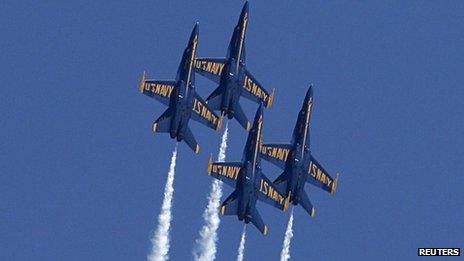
82,175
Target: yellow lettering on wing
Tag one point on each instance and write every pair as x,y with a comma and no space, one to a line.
270,192
215,68
319,175
204,112
230,172
163,90
255,89
197,106
209,66
276,152
221,66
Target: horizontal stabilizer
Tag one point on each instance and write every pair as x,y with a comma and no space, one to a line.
258,222
240,116
163,123
230,206
281,182
214,100
190,140
306,204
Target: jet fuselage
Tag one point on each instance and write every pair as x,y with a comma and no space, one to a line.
252,162
233,76
300,155
182,101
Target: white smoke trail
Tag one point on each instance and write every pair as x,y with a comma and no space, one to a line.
223,147
160,239
285,254
205,249
241,247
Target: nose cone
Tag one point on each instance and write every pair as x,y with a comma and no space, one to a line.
195,31
309,93
244,10
245,7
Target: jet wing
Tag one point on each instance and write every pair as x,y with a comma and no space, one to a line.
203,114
268,193
160,90
319,177
253,90
225,171
277,154
210,68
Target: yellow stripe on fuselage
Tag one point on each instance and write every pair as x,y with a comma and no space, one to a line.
242,36
192,59
308,112
258,138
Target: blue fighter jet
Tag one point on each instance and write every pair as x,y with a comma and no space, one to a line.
233,77
248,180
182,100
299,166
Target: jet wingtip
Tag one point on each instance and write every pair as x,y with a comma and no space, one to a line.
313,212
265,230
155,125
271,99
210,163
287,202
142,82
219,125
245,7
334,185
197,149
248,127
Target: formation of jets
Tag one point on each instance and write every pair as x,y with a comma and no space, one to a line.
245,176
